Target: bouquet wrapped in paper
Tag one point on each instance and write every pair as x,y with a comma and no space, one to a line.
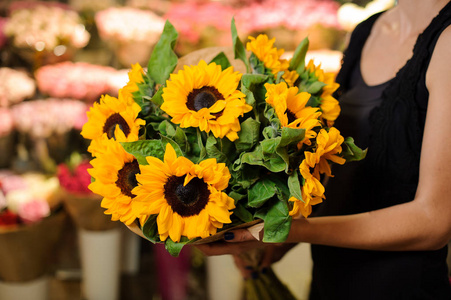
31,222
134,36
183,155
45,32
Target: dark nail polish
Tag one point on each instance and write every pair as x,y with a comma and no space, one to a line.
248,268
254,275
229,236
264,270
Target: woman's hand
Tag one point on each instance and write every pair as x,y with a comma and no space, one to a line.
235,242
239,243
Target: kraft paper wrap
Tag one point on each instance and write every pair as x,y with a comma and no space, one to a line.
207,54
254,227
26,251
86,212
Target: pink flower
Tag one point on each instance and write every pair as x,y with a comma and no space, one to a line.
11,181
123,24
42,118
15,86
33,211
78,80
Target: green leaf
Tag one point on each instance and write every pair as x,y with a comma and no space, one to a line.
314,101
252,85
351,152
203,151
150,229
291,136
163,59
297,62
165,140
315,87
273,163
260,192
257,66
238,47
174,248
213,151
245,175
182,140
143,148
242,213
222,60
277,223
269,146
166,128
295,186
248,136
157,98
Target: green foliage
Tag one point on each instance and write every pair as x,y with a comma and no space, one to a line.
163,59
222,60
263,161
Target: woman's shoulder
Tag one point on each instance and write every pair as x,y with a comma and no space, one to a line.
438,71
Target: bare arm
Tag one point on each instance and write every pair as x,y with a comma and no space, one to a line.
422,224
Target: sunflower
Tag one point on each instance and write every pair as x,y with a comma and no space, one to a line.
109,113
312,190
328,146
187,197
290,107
135,76
329,105
263,48
114,172
290,77
204,96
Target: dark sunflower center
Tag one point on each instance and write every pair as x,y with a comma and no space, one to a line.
112,121
204,97
126,178
291,116
187,200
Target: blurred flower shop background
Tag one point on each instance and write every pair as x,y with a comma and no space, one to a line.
57,59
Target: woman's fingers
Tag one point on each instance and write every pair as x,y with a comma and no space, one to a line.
239,235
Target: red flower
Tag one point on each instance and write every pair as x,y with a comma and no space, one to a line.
7,218
77,181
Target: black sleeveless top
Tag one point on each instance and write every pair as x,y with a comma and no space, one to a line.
388,119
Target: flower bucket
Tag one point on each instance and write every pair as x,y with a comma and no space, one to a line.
36,289
86,212
7,148
100,260
25,254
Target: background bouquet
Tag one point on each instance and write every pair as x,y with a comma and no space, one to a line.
31,222
182,156
52,30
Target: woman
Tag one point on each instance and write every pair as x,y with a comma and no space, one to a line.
383,229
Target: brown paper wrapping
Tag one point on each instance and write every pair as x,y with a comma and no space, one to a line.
207,54
86,212
25,251
134,227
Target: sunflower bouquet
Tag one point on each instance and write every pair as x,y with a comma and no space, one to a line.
181,156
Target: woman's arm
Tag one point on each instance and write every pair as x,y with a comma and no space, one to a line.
422,224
